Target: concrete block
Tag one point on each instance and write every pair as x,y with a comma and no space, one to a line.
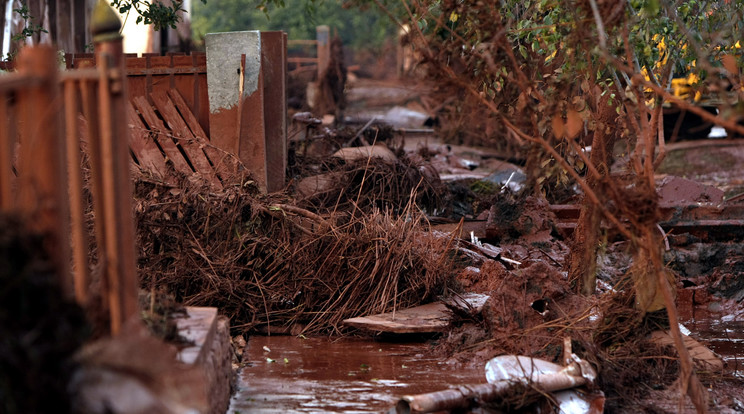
209,353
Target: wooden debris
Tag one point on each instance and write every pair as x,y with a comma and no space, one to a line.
179,136
469,304
432,317
166,143
224,163
701,355
351,154
143,145
187,141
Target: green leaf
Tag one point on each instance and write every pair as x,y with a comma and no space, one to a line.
652,7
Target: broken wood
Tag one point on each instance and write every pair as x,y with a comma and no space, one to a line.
701,355
181,132
223,162
144,147
166,143
432,317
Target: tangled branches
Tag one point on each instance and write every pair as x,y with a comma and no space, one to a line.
266,264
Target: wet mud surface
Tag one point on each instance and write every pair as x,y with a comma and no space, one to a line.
715,325
347,375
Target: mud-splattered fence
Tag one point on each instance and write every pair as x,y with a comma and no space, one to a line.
168,117
322,46
45,113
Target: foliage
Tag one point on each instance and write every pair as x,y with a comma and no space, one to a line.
299,18
29,27
155,13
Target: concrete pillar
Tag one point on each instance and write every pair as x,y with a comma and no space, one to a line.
246,82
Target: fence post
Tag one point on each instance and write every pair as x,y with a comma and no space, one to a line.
323,34
116,212
6,157
246,74
274,72
42,186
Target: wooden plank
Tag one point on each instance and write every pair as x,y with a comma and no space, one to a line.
6,157
273,68
200,105
136,85
166,143
42,186
432,317
116,215
160,82
224,163
251,143
700,353
181,131
75,186
144,147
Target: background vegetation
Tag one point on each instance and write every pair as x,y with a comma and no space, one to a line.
367,28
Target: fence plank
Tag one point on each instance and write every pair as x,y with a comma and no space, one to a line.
144,147
89,134
78,231
166,143
6,158
42,195
120,256
181,131
224,163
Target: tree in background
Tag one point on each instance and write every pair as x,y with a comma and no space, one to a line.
358,29
552,75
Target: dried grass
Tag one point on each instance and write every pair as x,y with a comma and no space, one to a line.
264,261
370,184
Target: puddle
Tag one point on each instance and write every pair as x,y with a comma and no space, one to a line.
722,333
343,376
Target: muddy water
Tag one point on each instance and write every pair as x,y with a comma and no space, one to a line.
723,334
721,331
344,376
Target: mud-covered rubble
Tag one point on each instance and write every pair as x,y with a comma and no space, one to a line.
375,221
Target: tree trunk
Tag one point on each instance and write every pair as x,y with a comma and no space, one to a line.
582,261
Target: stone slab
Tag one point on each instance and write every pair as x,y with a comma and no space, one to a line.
209,352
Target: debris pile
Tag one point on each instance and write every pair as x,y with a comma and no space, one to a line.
272,266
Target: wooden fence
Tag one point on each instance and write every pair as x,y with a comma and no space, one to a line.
322,53
45,113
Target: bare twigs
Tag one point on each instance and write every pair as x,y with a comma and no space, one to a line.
256,260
